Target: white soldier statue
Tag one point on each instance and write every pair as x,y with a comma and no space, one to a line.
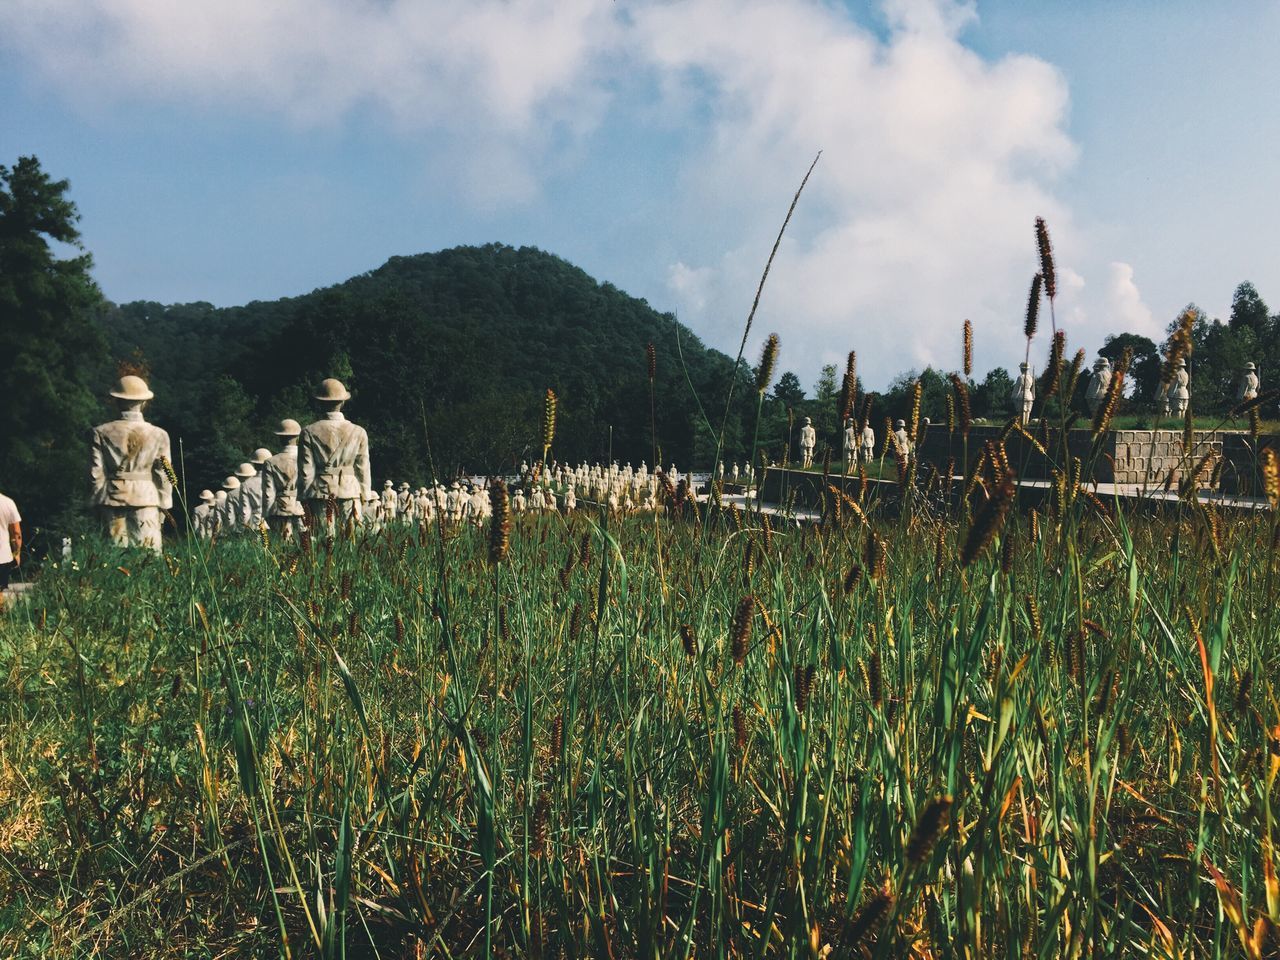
902,440
130,470
1023,394
201,523
371,518
1098,384
1180,388
808,440
390,502
404,501
228,519
251,492
333,463
243,498
1248,383
850,445
868,443
280,484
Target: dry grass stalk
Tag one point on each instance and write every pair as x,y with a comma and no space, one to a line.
499,522
968,349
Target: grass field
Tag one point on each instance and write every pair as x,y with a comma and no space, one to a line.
663,736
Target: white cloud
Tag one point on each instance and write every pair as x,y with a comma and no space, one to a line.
1124,302
936,160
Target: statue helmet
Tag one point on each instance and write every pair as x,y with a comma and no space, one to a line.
332,391
288,428
388,484
245,471
808,420
221,496
404,485
1022,366
1180,364
261,455
1250,366
207,496
231,483
901,423
130,387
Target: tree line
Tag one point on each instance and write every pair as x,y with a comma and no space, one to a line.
448,356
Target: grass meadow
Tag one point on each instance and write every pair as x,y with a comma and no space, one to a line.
903,732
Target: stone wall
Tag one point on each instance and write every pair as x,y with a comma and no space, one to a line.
1124,456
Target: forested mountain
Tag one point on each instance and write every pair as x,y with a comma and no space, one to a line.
448,356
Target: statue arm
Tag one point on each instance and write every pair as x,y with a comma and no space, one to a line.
306,468
363,467
97,472
268,490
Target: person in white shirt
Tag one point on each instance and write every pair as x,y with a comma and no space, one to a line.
10,540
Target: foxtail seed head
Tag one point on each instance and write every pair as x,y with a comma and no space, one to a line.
499,522
1033,306
929,828
768,359
1270,464
986,525
968,349
549,419
1046,258
741,636
651,359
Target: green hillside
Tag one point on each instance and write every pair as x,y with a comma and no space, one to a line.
448,356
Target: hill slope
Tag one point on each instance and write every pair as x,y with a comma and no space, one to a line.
448,356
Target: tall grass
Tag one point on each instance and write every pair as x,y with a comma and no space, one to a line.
394,743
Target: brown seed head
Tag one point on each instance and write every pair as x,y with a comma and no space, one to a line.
741,631
962,400
1033,306
768,359
688,641
968,349
499,522
867,921
739,729
1052,376
929,828
986,525
1269,462
549,419
803,686
1046,258
651,359
917,392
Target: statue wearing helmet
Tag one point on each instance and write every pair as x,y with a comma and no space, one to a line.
333,463
130,470
280,484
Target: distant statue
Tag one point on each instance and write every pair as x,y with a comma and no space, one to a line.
251,491
1100,380
1248,383
242,496
850,445
280,503
404,501
868,443
371,516
1023,394
1180,388
201,523
390,502
903,440
130,470
333,463
228,515
808,440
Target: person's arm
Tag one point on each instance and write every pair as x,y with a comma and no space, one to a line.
15,541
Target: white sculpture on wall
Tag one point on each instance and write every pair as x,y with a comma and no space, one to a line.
868,443
1099,381
1180,388
130,483
1023,394
808,440
1248,383
850,445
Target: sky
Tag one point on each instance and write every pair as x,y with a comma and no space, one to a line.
246,150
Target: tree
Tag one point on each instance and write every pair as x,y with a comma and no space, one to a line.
52,351
1145,363
1248,310
823,407
788,390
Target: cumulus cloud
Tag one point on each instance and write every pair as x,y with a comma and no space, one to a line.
1124,303
936,160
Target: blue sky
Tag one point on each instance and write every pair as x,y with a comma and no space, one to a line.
249,150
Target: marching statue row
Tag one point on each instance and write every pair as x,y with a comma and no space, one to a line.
321,478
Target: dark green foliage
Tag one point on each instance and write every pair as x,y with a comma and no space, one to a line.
52,354
448,356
